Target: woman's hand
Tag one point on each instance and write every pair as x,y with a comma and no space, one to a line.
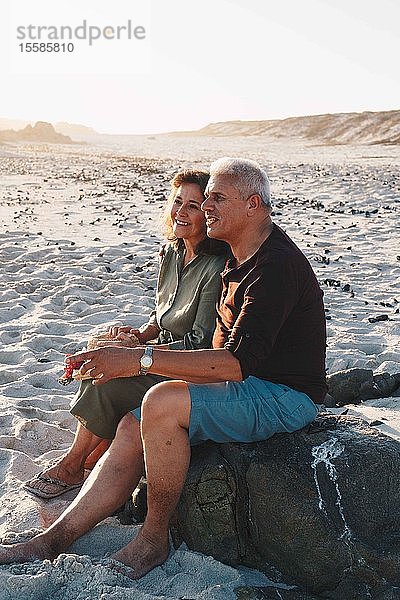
137,333
115,330
108,363
144,334
128,340
118,333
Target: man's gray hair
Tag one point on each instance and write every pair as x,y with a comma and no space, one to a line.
249,178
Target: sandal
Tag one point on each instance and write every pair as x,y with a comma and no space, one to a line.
57,487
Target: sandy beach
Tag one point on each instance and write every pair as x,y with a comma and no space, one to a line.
79,238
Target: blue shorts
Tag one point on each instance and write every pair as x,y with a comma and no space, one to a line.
245,411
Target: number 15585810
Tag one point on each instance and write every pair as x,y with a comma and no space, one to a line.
46,47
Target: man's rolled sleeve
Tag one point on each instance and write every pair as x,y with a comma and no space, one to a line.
242,346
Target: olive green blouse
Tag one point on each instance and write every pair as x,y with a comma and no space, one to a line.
186,299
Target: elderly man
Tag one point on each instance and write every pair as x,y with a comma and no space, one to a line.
264,374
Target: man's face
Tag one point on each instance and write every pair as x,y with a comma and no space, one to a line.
224,209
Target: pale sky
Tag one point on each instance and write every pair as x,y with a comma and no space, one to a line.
207,61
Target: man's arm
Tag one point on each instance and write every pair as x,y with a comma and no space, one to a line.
195,366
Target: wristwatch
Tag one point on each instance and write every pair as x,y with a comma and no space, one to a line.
146,360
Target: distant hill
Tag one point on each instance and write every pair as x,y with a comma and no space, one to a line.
340,128
77,132
40,132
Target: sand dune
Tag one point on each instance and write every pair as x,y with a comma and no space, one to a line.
342,128
368,127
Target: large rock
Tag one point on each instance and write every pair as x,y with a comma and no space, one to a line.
40,132
355,385
319,508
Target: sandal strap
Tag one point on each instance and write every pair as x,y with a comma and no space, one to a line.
52,480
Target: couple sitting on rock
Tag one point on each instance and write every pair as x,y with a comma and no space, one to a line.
263,374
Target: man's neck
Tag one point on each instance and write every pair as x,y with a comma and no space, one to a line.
251,241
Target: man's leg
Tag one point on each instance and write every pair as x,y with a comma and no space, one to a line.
108,486
165,424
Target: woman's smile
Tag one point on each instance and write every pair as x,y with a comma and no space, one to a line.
187,217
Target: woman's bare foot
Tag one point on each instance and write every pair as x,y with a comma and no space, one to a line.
142,555
67,470
34,549
58,479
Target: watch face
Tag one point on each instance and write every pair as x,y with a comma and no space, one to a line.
146,361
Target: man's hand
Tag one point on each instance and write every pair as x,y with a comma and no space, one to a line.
108,363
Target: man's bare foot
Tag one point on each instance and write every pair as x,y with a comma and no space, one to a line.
35,549
142,555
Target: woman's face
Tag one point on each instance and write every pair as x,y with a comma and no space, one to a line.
187,217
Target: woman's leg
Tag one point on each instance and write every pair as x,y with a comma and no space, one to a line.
69,469
96,454
98,409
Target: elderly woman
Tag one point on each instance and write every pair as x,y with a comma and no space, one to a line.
184,318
